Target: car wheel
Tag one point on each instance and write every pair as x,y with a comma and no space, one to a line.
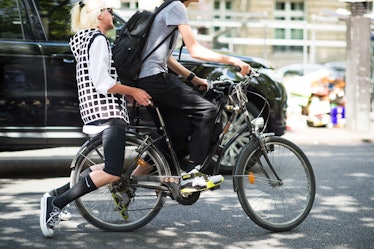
231,154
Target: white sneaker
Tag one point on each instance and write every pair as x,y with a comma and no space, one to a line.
196,181
65,214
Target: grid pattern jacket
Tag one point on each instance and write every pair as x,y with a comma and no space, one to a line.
94,106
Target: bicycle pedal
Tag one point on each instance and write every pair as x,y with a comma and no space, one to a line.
189,190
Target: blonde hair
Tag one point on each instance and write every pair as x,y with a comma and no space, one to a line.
84,14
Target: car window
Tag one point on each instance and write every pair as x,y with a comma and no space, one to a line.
13,21
10,22
55,15
118,24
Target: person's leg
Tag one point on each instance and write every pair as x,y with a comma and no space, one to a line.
179,128
172,93
114,143
59,191
114,139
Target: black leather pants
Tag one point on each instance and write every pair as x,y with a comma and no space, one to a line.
189,117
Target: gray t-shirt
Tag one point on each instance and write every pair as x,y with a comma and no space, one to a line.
169,18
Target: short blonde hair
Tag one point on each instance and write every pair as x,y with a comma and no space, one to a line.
84,14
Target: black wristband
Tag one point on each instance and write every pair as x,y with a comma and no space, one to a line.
190,77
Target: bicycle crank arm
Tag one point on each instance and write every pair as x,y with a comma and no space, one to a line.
170,188
149,186
162,179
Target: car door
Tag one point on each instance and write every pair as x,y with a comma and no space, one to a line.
62,97
22,81
63,121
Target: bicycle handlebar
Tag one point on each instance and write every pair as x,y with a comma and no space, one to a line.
251,73
222,85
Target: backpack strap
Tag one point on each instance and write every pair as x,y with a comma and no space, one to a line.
95,33
161,7
158,45
180,50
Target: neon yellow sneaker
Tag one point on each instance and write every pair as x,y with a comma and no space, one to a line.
194,181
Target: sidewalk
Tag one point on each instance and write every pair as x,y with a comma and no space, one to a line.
329,136
39,162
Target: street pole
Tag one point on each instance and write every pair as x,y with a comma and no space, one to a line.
358,68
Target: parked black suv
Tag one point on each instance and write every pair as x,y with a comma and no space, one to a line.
38,95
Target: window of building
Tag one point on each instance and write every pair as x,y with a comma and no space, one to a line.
222,9
125,5
222,6
128,4
289,11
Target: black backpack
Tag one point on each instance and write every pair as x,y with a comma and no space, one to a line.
129,44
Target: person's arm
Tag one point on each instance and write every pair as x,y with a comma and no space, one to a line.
140,96
200,52
99,65
102,80
179,69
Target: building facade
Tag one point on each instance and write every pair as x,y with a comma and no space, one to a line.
282,31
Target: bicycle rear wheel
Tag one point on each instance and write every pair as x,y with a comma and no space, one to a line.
275,204
104,207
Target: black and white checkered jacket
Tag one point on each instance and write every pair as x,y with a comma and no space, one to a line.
93,105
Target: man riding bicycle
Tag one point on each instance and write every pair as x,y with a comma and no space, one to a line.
189,117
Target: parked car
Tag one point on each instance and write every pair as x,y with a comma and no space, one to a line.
38,92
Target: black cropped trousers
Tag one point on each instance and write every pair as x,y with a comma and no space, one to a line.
188,116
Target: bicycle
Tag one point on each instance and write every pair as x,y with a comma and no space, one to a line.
273,178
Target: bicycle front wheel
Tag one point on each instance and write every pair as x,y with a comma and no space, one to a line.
121,206
277,194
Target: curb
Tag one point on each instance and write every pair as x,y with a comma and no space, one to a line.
37,163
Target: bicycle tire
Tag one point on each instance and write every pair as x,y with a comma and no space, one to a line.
99,208
275,205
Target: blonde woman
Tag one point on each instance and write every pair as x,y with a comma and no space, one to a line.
102,106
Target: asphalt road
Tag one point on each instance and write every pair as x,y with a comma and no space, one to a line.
342,216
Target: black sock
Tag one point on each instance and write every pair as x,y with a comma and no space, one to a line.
85,172
59,191
84,186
